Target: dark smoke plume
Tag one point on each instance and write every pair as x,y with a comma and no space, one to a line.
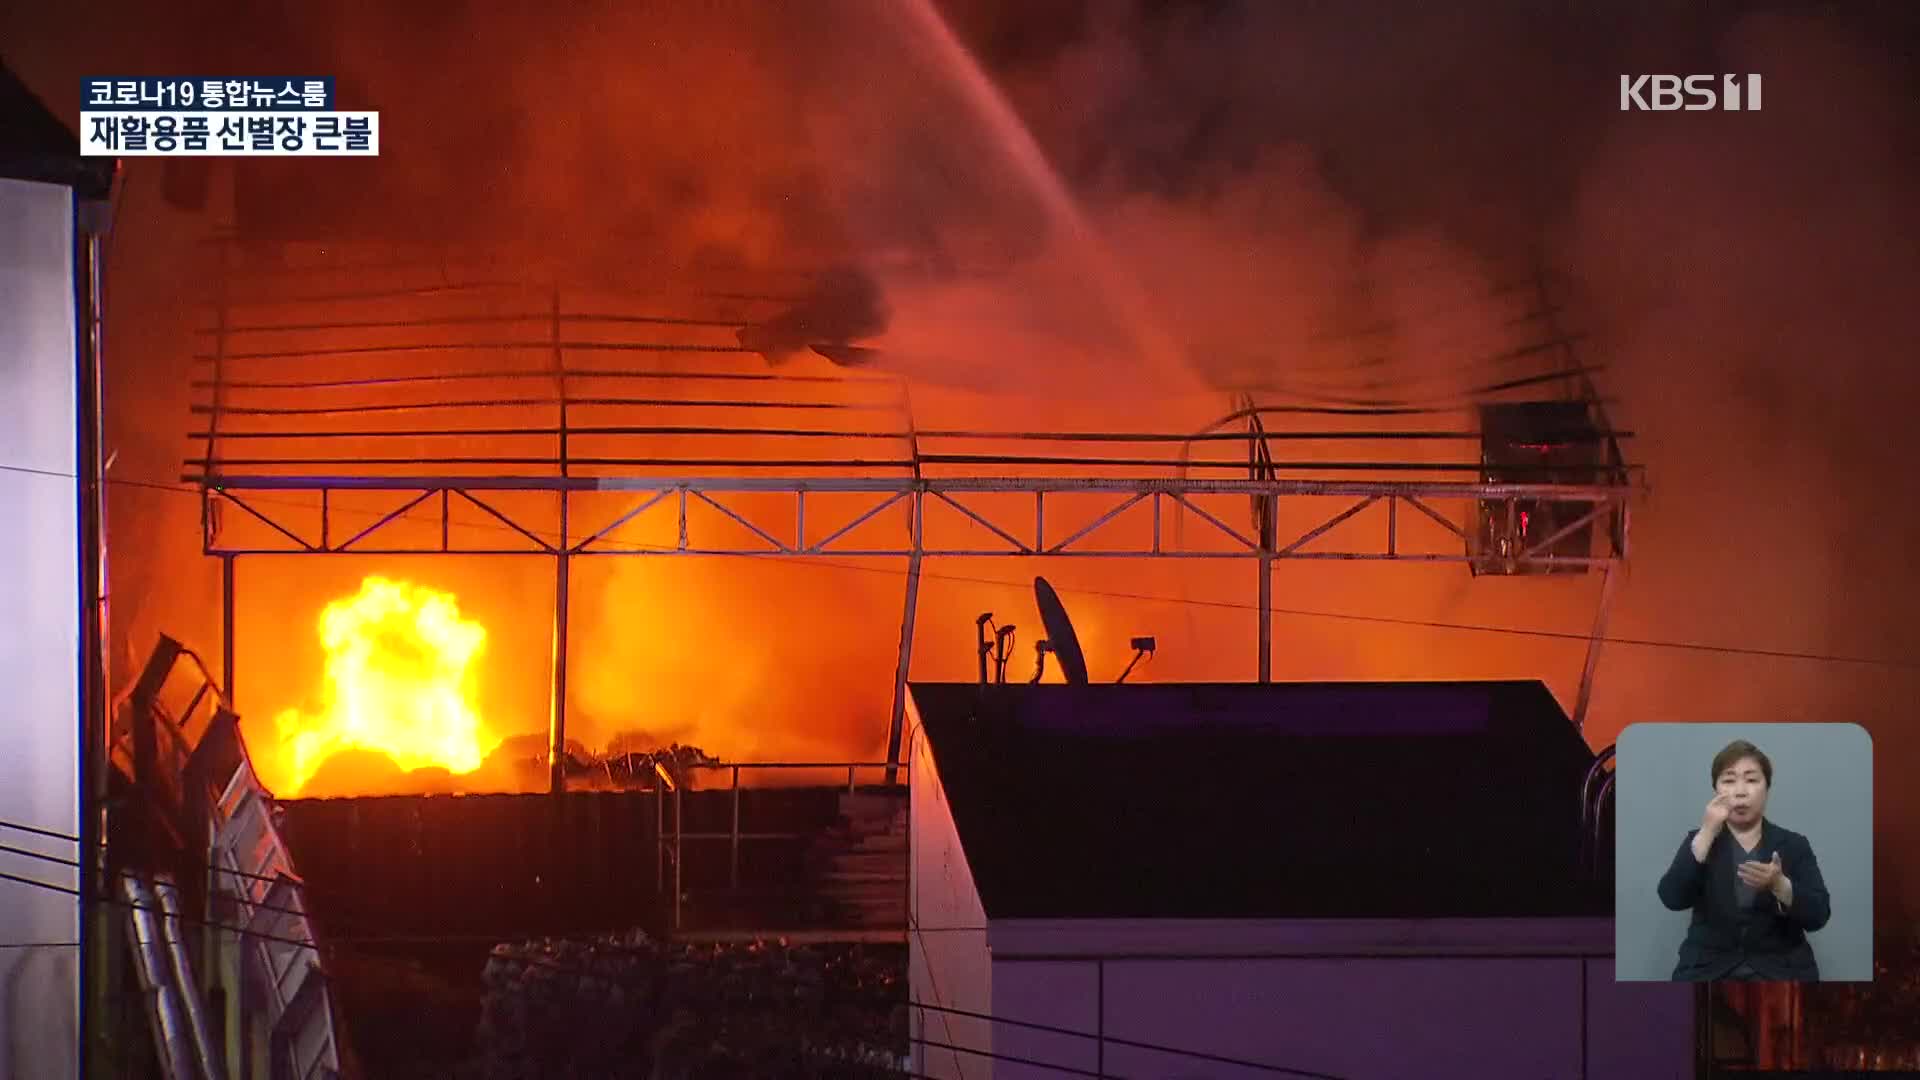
842,308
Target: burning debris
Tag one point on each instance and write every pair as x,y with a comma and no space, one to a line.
625,768
400,712
520,764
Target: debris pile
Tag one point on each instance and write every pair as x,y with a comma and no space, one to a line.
623,768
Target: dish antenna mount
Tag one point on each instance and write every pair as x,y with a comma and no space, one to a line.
1061,641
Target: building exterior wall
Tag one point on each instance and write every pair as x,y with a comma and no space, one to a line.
1637,1029
1358,999
40,649
947,966
1059,994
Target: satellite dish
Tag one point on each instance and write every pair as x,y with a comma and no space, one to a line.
1061,639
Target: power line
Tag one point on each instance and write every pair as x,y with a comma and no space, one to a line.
1233,605
36,831
244,931
30,854
914,927
131,874
338,939
1133,1044
533,960
933,981
262,905
993,1055
5,848
599,973
38,884
257,905
541,961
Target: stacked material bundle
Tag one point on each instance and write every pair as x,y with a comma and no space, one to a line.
628,1006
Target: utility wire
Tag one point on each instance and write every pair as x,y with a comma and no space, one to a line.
261,905
565,968
37,831
1135,1044
533,960
214,924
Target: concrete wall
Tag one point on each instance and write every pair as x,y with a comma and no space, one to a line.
1358,999
947,937
39,651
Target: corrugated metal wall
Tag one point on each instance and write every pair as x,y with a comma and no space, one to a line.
519,866
499,866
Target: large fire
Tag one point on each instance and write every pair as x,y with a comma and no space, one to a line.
399,680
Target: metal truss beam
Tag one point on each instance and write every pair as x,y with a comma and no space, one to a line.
1372,519
1357,488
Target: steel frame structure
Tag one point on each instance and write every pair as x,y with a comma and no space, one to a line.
1372,506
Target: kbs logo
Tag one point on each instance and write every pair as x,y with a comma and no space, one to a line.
1694,93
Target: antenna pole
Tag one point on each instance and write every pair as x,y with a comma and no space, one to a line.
1002,641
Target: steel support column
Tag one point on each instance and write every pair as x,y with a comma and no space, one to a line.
1594,641
1269,508
225,946
679,851
96,952
899,717
1266,618
226,628
557,724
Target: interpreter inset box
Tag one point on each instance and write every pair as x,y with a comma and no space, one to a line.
1743,852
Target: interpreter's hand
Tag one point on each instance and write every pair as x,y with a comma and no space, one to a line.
1716,815
1764,876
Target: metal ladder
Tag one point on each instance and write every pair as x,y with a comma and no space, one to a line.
202,808
1596,811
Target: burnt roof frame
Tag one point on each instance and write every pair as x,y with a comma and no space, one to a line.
222,480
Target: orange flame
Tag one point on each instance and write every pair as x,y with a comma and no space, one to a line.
400,666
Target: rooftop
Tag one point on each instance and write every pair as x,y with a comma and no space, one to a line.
1292,800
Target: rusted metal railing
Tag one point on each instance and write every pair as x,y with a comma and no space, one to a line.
672,843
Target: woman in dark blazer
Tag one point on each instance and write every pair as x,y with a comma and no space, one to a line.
1754,887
